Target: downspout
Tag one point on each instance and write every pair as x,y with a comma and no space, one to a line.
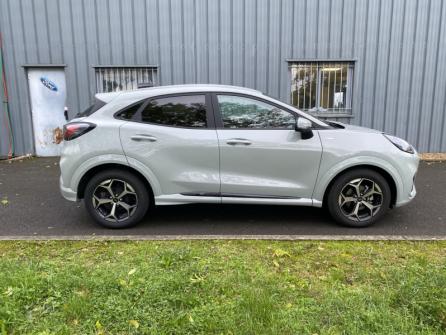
7,115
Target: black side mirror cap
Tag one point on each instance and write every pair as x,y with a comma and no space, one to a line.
304,127
306,134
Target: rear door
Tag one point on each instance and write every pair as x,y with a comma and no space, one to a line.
175,137
261,154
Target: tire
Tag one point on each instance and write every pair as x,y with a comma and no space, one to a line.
131,198
346,203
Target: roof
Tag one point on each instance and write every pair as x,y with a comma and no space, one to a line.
159,90
202,87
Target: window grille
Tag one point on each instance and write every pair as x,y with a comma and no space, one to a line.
322,88
115,78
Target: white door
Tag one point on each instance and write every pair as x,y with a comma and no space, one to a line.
48,93
261,155
172,136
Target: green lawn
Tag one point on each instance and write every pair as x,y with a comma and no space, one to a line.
223,287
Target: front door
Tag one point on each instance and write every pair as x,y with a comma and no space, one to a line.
261,154
47,90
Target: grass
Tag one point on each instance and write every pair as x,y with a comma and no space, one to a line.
222,287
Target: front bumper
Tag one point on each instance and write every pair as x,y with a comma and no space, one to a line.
409,198
67,192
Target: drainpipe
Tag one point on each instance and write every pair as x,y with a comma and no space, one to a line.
7,115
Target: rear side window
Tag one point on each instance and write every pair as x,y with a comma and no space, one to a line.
98,104
187,111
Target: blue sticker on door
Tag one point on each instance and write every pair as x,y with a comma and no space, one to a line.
48,84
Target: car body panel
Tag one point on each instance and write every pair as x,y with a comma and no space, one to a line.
277,163
184,160
343,149
102,145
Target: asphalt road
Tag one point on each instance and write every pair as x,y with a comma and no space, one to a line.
35,208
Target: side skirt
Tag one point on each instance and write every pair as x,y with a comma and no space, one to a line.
229,198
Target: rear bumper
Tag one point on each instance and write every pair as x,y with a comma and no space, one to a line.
67,192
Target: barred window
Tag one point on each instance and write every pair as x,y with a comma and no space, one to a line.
113,79
322,88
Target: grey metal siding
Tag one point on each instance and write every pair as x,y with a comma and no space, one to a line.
399,48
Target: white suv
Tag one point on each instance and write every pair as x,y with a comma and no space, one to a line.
232,145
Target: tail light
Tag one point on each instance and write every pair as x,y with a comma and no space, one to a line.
75,129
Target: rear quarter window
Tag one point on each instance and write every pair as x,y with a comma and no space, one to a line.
98,104
129,113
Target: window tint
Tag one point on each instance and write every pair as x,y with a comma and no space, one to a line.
241,112
180,111
129,112
98,104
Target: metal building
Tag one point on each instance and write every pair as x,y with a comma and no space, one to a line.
376,63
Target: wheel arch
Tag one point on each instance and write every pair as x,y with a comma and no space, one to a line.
110,166
387,176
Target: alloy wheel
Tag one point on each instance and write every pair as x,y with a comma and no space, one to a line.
115,200
360,199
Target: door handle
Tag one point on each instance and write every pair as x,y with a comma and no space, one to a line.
235,141
143,138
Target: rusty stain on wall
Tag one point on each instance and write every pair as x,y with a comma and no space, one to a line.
57,135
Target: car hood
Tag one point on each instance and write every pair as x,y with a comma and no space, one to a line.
350,127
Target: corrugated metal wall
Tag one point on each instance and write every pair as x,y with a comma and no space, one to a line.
399,47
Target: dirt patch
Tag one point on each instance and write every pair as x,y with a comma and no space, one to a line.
430,157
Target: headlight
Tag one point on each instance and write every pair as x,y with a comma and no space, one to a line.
400,144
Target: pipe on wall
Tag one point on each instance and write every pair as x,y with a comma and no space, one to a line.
7,114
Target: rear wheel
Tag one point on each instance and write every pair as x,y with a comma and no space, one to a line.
359,198
116,199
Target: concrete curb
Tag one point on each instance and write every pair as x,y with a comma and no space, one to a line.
225,237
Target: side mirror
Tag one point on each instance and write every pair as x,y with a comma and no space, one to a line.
304,127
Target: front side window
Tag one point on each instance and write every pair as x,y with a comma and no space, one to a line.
322,87
187,111
243,112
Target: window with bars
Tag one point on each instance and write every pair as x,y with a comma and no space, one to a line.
113,79
322,88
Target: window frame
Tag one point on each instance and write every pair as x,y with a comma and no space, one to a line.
210,120
219,119
320,63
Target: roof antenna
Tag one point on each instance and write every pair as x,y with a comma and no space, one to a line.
144,85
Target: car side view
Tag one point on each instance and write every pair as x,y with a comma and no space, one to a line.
184,144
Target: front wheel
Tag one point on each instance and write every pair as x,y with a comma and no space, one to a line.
359,198
116,199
